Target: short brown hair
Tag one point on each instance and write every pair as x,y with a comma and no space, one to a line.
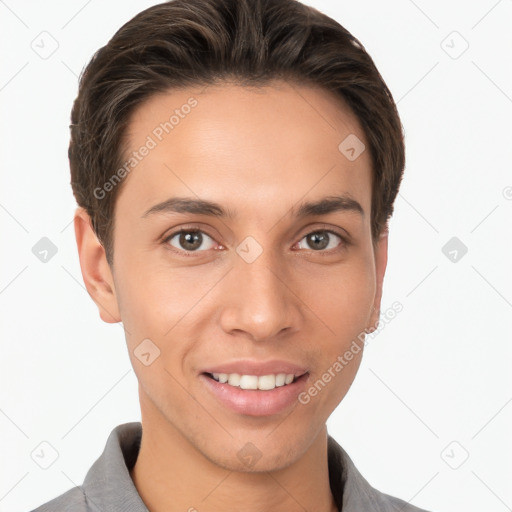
184,43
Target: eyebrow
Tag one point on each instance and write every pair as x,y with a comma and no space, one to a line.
324,206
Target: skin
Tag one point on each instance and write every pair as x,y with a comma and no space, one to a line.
259,153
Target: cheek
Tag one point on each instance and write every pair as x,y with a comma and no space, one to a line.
343,303
152,310
343,299
152,296
159,303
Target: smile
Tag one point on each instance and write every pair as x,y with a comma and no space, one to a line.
263,382
252,395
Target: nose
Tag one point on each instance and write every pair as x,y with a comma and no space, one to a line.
259,299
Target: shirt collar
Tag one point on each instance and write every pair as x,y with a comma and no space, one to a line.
108,486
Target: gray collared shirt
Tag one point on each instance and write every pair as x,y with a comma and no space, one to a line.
108,486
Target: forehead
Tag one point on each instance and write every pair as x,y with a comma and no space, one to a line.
271,146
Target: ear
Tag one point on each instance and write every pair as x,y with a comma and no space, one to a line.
95,269
381,260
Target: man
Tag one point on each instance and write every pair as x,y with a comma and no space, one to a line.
235,164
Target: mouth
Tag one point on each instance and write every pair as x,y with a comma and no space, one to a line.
255,382
255,395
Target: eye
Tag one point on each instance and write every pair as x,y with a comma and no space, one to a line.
195,240
322,239
190,240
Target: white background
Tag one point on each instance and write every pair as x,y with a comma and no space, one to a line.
434,386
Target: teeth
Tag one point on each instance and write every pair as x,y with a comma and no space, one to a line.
249,382
280,379
234,379
265,382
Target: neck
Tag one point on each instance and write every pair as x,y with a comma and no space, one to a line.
171,475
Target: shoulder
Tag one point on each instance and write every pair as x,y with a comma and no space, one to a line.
367,498
72,500
388,503
352,491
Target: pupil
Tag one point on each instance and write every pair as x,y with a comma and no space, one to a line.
191,240
317,237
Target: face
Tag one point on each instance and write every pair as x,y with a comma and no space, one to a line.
257,284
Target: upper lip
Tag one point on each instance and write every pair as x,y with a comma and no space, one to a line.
258,368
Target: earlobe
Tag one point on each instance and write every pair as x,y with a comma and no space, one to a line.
381,259
96,272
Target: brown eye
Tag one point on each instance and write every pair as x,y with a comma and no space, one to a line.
190,240
320,240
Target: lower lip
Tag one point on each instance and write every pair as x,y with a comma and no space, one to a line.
256,402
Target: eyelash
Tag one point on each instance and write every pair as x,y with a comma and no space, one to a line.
345,242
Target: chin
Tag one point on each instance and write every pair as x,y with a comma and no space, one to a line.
250,459
259,451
